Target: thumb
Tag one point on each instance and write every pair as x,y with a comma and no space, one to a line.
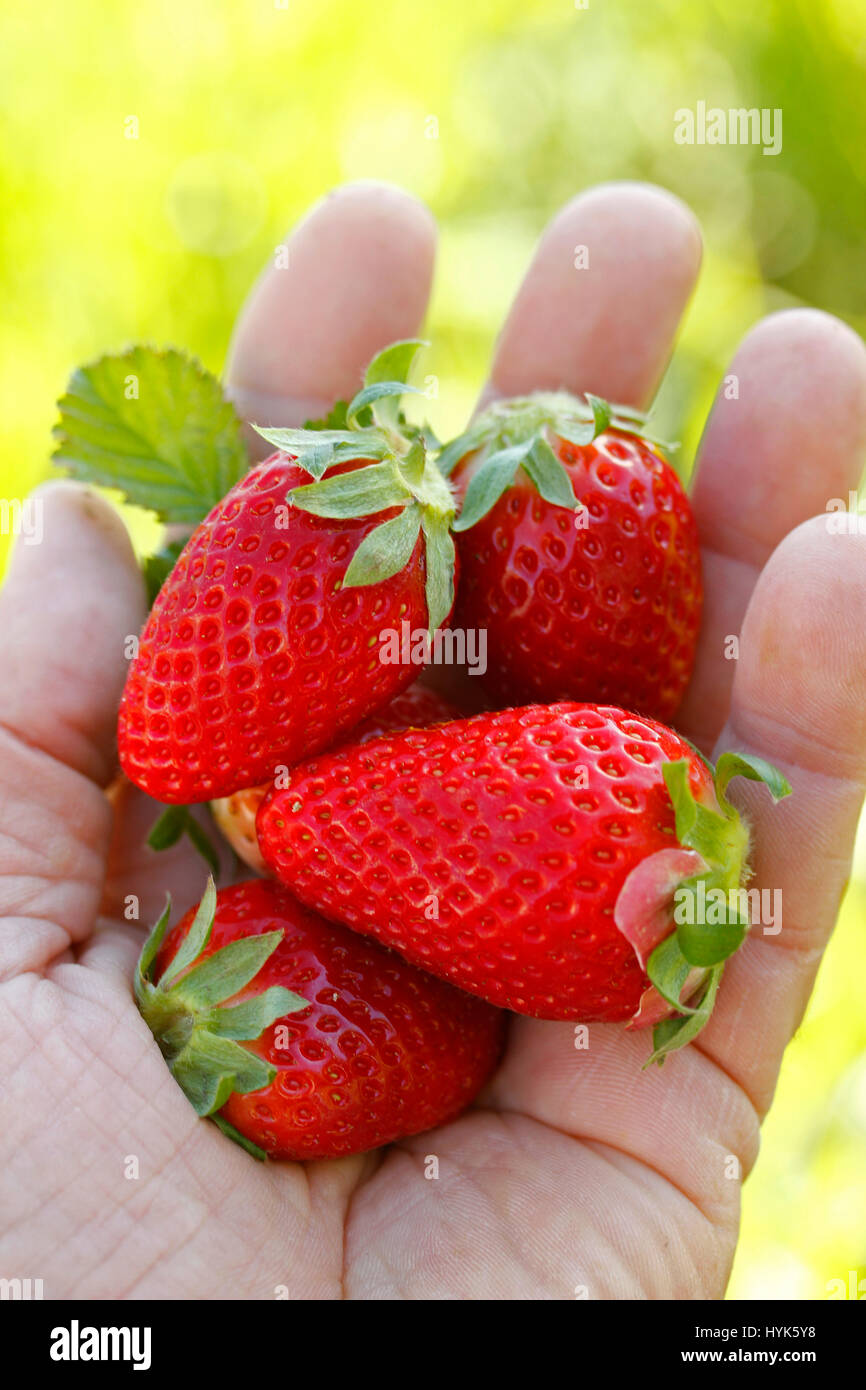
72,595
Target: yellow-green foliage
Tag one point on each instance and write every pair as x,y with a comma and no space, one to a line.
248,110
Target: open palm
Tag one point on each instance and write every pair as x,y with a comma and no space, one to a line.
578,1174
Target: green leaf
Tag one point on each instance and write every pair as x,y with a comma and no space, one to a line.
209,1069
293,441
155,426
549,475
383,397
201,841
732,765
706,943
362,492
440,560
668,969
674,1033
387,550
414,466
196,937
151,946
676,778
487,485
176,821
316,451
227,971
168,828
601,413
235,1135
250,1019
392,365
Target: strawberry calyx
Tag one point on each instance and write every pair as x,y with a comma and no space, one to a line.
198,1032
401,473
698,885
515,434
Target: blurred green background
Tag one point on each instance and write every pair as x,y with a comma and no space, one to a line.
248,110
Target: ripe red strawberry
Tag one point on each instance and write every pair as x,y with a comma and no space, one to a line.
308,1040
579,556
263,645
529,856
415,708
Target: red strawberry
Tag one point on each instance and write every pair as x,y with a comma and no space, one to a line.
310,1041
415,708
263,645
529,856
579,556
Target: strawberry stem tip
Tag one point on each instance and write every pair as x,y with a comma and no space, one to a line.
198,1033
402,473
176,821
516,434
692,958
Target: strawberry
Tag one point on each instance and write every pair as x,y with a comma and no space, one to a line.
415,708
301,1039
530,856
579,555
263,644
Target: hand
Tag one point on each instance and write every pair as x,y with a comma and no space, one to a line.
578,1169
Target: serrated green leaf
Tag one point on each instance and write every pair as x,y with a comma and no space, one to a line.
154,425
487,485
440,558
386,550
197,937
227,971
549,475
361,492
250,1019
